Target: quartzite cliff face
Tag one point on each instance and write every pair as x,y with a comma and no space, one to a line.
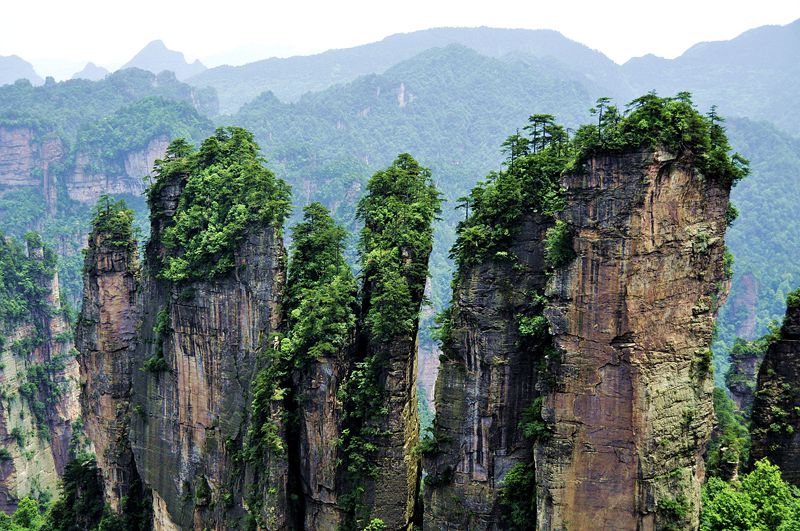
628,405
38,384
105,337
487,379
776,410
633,316
192,414
41,163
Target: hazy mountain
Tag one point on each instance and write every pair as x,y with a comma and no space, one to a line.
13,68
754,75
291,77
156,57
92,72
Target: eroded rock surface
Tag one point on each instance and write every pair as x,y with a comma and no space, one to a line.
776,409
106,336
633,315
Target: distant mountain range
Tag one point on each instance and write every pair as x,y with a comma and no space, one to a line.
732,74
13,68
92,72
156,57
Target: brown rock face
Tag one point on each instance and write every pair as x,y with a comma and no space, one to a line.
320,426
487,379
87,183
392,493
106,336
633,315
776,410
625,376
193,412
26,160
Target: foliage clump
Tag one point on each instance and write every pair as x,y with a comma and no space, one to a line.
530,182
27,270
793,299
518,497
226,191
114,221
321,293
761,501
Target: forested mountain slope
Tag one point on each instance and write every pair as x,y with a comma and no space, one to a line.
292,77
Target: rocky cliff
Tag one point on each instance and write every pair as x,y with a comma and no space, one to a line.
487,379
105,337
38,375
633,316
40,163
576,383
775,425
238,403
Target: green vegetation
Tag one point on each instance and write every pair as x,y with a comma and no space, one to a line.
133,127
761,501
398,213
530,182
518,497
321,293
729,448
532,424
114,220
227,189
27,270
558,250
793,299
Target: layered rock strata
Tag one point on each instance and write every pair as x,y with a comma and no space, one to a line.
201,344
488,377
623,378
106,337
633,315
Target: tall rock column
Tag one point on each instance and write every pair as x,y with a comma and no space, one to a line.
633,315
105,338
487,379
321,308
398,212
775,425
208,435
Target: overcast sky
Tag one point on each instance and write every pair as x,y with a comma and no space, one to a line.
60,36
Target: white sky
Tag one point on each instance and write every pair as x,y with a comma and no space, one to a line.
60,36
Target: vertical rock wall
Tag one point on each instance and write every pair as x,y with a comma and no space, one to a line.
320,416
192,413
626,380
633,315
775,426
487,379
38,395
105,337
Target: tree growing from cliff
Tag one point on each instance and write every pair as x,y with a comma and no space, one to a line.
227,190
114,220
